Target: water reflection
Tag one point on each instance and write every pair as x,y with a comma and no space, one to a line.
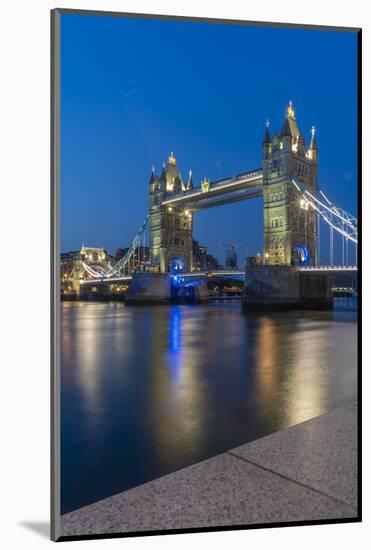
176,397
146,391
266,360
290,379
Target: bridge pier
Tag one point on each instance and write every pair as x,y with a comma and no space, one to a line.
280,287
197,294
161,288
149,289
99,291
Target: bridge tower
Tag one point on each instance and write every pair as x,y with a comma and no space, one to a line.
290,229
171,228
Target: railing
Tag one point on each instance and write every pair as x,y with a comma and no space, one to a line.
207,275
329,268
343,289
104,280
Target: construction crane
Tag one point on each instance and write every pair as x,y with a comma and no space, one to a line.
233,246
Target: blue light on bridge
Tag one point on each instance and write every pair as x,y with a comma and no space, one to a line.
177,265
302,253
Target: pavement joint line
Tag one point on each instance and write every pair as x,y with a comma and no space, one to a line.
286,478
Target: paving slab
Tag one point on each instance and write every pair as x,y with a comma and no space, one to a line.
320,453
231,489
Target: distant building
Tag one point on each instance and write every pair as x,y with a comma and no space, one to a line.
70,256
120,253
72,264
231,259
199,256
202,261
93,255
110,259
212,263
139,258
141,252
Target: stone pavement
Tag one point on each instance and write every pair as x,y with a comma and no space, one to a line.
305,472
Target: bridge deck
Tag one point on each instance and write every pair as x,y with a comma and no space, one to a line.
228,273
241,187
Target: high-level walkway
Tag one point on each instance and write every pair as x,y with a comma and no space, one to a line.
305,472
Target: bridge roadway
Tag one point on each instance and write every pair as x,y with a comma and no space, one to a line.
240,274
243,186
313,269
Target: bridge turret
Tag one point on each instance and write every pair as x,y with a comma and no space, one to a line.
189,185
285,134
313,149
162,178
288,227
267,149
172,176
283,156
267,137
267,142
291,122
301,147
152,180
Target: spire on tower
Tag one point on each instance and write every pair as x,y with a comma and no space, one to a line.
286,130
290,111
290,127
153,175
163,172
267,137
190,181
171,159
313,142
312,153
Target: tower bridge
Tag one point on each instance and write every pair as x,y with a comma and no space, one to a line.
290,231
293,208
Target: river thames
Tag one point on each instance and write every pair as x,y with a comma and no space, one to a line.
149,390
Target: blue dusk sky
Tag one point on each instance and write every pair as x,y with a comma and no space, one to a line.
133,90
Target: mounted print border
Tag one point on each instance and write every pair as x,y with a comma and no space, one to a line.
202,387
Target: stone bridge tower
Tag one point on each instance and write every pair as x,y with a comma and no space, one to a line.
171,227
290,229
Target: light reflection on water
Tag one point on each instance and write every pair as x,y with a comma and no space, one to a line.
146,391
